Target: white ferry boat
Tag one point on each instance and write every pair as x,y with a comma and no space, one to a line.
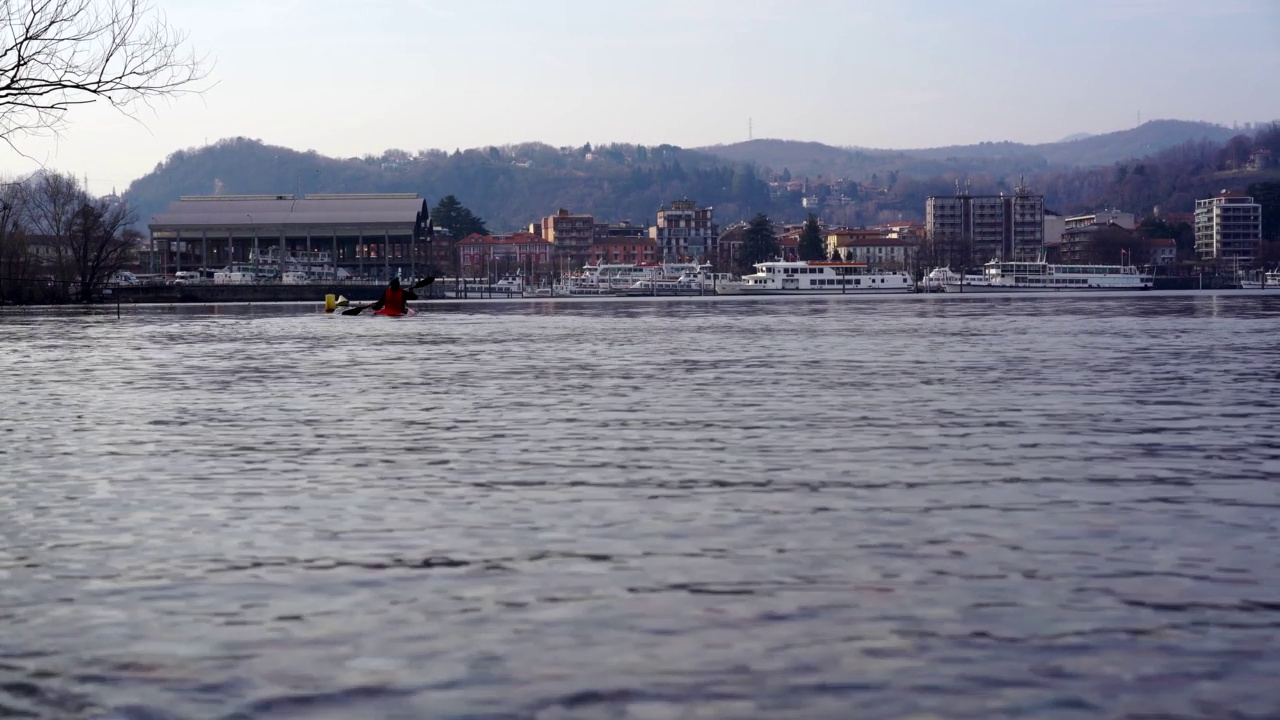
621,278
938,279
1041,277
782,277
683,285
1261,281
314,266
505,285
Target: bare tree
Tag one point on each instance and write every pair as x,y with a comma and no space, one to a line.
99,244
49,199
56,54
17,262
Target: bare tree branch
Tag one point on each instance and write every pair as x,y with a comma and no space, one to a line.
57,54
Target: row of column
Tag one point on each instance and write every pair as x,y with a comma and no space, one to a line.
282,246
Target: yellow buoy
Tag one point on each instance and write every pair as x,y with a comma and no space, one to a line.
330,302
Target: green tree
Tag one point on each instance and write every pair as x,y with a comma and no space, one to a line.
453,216
835,255
759,244
811,240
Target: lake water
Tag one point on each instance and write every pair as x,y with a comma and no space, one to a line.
962,507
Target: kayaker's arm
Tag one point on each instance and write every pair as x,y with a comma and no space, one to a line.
409,295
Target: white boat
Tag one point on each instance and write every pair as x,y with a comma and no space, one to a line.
238,274
1261,281
506,286
620,278
315,266
939,278
509,285
1044,277
666,286
799,277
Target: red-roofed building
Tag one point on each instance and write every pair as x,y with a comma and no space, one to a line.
1164,251
878,253
506,254
843,236
624,250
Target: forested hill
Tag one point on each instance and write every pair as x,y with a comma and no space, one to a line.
1004,158
513,186
508,186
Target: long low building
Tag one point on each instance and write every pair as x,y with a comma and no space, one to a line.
366,236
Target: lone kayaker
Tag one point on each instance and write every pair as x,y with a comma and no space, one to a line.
394,298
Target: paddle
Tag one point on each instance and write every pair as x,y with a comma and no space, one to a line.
420,284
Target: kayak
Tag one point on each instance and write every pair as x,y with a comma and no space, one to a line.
389,313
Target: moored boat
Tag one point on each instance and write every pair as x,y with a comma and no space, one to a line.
800,277
939,278
1045,277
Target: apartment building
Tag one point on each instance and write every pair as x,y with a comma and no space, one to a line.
571,236
1104,217
969,230
685,230
1228,227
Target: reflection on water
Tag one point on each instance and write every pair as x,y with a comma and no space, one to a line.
798,508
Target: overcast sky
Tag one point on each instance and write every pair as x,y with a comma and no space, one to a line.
348,78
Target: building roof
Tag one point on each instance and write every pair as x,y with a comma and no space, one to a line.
859,233
1163,242
240,212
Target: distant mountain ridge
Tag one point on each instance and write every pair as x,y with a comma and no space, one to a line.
1080,150
514,185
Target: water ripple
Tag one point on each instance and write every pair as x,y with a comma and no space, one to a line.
805,508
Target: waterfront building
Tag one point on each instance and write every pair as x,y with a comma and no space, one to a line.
617,250
1054,225
1163,251
882,253
493,256
1074,246
622,229
1104,217
1228,228
571,236
364,235
969,230
729,247
833,240
685,231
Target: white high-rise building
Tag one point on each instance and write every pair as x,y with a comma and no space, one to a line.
1228,227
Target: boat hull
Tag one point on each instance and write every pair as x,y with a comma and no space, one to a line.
1017,289
392,313
820,291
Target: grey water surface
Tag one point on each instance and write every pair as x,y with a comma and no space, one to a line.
981,507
